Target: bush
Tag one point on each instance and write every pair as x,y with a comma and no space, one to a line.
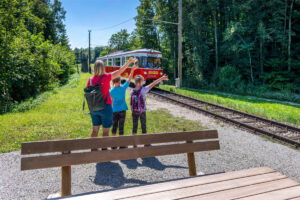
229,78
33,66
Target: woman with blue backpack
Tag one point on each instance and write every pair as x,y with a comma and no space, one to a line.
138,102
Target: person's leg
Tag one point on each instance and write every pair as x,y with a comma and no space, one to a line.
105,132
122,122
135,123
115,123
96,121
121,125
107,119
144,125
143,122
95,131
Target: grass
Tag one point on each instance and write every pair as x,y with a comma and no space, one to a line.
281,111
60,116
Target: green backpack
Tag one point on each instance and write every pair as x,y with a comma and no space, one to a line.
94,96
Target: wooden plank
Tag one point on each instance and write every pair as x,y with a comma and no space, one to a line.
171,185
66,181
191,162
287,193
208,188
94,143
40,162
247,190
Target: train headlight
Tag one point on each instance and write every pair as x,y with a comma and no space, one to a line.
161,73
145,73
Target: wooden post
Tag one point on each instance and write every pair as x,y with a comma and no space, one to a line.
191,162
66,179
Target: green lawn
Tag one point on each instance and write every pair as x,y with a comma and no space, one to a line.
266,108
60,116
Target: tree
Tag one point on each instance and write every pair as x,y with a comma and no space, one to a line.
145,28
31,59
260,39
290,35
119,40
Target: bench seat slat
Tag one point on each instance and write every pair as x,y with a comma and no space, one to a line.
93,143
40,162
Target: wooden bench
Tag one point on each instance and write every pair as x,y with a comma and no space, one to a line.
165,144
257,183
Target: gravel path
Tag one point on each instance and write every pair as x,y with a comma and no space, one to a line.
239,150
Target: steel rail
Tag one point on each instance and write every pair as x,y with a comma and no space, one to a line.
226,119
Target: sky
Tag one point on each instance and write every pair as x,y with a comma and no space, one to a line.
97,15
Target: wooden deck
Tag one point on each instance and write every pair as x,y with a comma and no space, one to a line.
257,183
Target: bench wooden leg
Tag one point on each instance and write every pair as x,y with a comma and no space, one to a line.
66,181
191,162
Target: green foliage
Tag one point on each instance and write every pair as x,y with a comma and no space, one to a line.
32,60
67,120
119,40
145,28
247,35
229,78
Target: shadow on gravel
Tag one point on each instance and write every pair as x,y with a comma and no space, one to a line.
111,174
151,162
154,163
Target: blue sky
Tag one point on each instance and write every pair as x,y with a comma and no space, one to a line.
83,15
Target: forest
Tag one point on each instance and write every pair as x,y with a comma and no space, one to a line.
249,47
34,52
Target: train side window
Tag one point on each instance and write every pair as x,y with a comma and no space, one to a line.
105,62
109,62
123,60
117,62
127,58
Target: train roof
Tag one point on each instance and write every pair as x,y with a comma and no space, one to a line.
138,52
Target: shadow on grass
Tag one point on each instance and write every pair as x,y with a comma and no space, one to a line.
111,173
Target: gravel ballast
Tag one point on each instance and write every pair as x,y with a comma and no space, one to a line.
239,150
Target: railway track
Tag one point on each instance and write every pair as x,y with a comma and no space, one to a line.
256,124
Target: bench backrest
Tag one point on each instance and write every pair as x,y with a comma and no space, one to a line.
165,144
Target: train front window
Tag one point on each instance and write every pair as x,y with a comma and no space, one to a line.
153,63
142,61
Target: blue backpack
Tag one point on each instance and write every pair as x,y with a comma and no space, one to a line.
137,102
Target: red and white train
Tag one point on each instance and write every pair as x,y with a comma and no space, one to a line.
149,62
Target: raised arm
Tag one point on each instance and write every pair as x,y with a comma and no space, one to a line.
118,73
163,78
131,72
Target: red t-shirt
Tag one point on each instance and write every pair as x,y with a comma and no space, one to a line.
105,85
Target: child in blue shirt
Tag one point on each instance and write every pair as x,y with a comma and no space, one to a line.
118,93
